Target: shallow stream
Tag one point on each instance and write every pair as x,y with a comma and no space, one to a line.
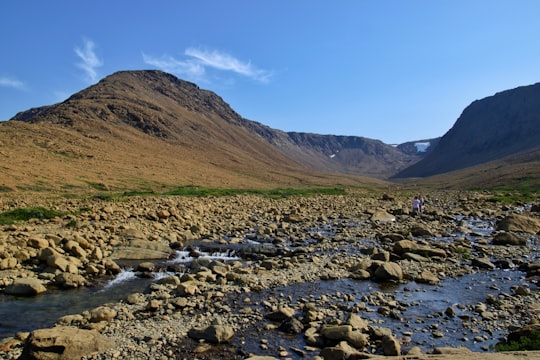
424,305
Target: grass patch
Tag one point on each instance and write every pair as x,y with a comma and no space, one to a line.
514,197
25,214
525,343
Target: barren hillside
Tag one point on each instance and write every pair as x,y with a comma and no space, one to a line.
144,129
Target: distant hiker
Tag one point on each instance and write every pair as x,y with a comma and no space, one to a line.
416,206
422,204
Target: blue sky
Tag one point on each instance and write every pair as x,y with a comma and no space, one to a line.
395,71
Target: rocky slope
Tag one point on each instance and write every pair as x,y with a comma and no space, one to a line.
212,309
490,129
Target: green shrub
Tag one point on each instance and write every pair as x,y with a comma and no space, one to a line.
525,343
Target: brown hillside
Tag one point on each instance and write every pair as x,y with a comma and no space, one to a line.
518,171
142,129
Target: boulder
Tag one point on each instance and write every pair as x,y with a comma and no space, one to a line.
336,332
357,322
8,263
25,287
508,238
63,343
405,246
341,351
215,334
102,313
390,346
37,243
57,261
382,216
420,230
283,313
67,280
519,223
388,271
483,263
427,277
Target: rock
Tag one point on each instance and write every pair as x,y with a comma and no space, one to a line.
102,313
112,267
431,252
405,246
414,257
67,280
63,343
280,314
37,243
342,351
508,238
420,230
75,249
357,339
57,261
483,263
146,267
388,271
357,322
291,326
427,277
519,223
382,216
187,289
451,351
450,312
336,332
390,346
216,334
8,263
25,287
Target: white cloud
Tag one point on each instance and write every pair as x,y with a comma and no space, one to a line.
199,60
189,68
90,61
12,83
224,61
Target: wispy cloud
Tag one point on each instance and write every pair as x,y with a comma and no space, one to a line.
11,83
188,67
89,60
196,62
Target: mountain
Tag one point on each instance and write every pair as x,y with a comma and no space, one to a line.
137,129
340,154
490,129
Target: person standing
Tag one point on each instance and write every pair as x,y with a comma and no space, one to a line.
416,206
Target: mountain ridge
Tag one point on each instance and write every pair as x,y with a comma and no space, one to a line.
150,127
489,129
161,105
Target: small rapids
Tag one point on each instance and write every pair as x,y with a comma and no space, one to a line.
22,314
423,307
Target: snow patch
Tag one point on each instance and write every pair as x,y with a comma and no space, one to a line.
422,146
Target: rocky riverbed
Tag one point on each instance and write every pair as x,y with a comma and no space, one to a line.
270,301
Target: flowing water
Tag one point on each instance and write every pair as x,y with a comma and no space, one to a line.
424,309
